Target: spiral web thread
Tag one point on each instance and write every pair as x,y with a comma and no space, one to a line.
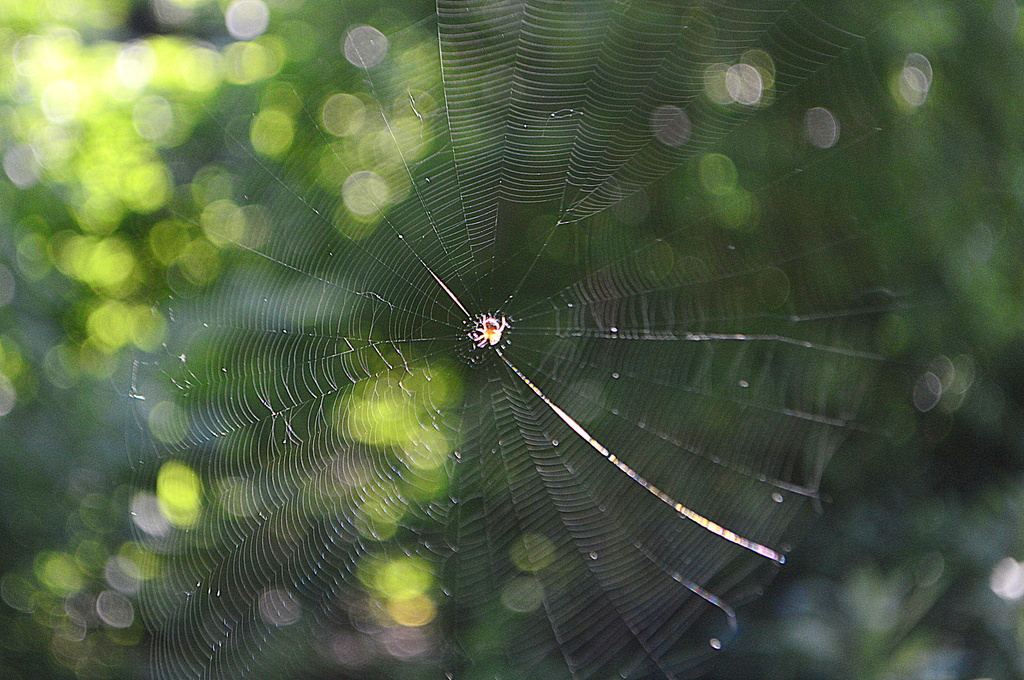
319,394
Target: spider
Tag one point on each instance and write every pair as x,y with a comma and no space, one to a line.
488,331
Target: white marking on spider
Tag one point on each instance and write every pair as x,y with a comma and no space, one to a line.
488,331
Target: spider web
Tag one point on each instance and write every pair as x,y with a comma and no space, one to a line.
344,428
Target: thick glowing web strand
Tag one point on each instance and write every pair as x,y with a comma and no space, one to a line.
447,290
692,336
681,509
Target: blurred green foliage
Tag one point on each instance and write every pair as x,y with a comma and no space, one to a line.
113,199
